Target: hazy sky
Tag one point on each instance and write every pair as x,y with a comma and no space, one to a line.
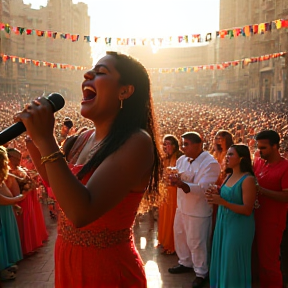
149,18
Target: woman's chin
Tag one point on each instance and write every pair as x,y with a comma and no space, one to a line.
228,166
86,113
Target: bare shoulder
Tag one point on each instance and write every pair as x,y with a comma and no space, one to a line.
143,135
141,138
138,148
249,180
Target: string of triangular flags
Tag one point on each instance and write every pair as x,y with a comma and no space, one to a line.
38,63
243,62
247,31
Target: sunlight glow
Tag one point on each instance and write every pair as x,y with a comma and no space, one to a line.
149,18
155,244
155,49
146,19
153,275
143,243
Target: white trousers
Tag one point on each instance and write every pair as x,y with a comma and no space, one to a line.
192,236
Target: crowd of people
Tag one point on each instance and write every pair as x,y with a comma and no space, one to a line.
239,148
23,228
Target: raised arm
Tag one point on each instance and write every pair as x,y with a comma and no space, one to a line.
36,158
129,168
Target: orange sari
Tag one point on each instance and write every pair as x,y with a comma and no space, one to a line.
167,213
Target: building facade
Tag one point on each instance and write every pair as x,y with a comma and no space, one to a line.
58,16
265,80
179,84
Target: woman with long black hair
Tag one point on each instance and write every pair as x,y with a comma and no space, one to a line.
235,227
111,167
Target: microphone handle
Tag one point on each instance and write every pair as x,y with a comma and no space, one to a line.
56,101
9,133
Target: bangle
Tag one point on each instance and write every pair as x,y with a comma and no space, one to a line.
52,157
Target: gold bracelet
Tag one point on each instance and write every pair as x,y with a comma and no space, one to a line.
52,157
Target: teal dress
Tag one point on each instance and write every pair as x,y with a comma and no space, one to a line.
10,245
232,243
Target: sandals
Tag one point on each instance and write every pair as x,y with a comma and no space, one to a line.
13,268
7,275
167,252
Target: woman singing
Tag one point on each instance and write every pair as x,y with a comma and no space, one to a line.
111,167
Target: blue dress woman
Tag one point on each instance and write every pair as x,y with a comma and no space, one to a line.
10,247
235,227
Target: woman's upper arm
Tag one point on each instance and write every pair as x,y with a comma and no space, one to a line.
249,191
129,168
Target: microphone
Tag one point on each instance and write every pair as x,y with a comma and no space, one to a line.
57,102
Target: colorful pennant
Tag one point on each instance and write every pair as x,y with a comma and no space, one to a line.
38,63
243,62
246,31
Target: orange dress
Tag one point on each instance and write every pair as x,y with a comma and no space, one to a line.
101,254
167,213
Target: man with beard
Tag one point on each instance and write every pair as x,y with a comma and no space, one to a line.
271,171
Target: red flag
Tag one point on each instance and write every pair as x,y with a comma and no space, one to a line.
75,37
29,31
285,23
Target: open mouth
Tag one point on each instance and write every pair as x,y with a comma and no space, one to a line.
88,93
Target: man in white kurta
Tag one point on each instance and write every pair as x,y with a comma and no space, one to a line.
193,219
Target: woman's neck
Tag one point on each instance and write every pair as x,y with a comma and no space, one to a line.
101,131
237,172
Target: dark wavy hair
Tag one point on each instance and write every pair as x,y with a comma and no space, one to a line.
245,162
227,136
4,168
174,142
137,113
270,135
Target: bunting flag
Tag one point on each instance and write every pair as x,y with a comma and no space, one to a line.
246,31
38,63
221,66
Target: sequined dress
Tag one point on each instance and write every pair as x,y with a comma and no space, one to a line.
101,254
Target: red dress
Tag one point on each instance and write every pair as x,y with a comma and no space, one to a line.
28,226
101,254
31,224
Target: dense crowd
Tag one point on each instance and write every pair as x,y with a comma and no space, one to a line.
242,119
208,117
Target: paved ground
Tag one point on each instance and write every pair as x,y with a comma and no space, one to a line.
37,270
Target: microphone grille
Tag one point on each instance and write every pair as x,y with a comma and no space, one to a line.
56,100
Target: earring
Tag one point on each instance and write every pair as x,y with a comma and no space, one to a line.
121,103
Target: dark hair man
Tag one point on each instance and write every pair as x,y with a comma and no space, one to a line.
65,129
193,219
271,171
